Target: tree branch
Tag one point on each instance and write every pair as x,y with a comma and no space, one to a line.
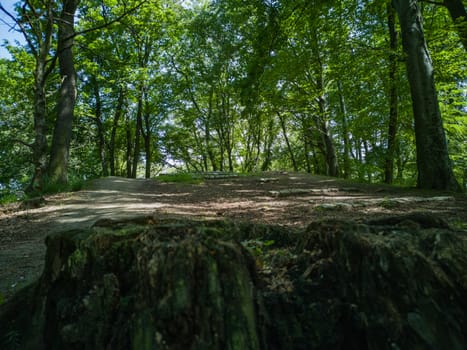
22,29
107,24
30,145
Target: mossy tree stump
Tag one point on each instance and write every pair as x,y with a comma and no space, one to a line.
398,283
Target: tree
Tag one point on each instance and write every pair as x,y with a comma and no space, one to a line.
393,92
59,156
225,85
433,163
16,121
36,22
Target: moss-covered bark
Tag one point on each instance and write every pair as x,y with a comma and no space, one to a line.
144,284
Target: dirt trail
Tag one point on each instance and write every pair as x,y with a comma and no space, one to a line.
286,199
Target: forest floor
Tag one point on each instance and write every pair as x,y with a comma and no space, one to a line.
287,199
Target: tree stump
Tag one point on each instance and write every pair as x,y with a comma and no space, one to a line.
395,283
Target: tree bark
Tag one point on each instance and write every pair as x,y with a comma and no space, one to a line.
433,163
100,128
207,133
269,139
117,116
58,166
148,284
40,146
345,131
287,142
330,156
393,112
147,135
138,127
129,147
39,40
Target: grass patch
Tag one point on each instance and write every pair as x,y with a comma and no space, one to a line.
74,184
8,198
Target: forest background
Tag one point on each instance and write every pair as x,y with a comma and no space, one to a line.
135,88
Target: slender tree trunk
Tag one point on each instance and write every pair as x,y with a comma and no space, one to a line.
129,147
368,164
117,116
359,157
332,168
147,148
58,166
330,156
393,112
207,133
345,131
138,128
268,143
433,163
230,133
147,135
40,126
287,142
307,148
458,14
200,147
227,129
41,73
247,167
100,128
208,145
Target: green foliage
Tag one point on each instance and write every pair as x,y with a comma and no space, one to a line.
74,184
238,86
7,198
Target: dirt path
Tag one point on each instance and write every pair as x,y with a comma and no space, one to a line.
278,198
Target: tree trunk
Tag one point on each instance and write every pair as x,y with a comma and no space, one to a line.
138,128
100,127
459,16
332,168
287,142
330,156
117,116
328,149
147,135
227,129
307,150
345,131
207,133
433,163
129,147
58,166
393,112
41,73
40,124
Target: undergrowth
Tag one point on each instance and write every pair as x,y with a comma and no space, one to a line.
8,198
73,185
187,178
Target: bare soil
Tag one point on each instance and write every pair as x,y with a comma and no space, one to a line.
287,199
